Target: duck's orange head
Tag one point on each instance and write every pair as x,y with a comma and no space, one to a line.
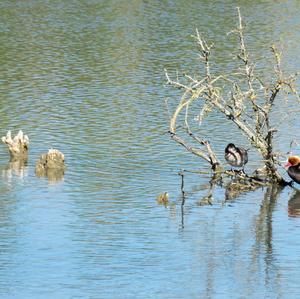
292,161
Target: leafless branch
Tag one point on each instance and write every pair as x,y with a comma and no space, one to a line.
248,104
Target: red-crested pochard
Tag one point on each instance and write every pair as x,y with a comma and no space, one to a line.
293,168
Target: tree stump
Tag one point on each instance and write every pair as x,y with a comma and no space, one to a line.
51,165
17,146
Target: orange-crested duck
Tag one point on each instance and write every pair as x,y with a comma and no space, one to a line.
293,168
236,156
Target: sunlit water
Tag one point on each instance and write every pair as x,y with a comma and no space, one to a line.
87,77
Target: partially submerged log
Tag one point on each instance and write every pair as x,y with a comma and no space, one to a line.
17,146
51,165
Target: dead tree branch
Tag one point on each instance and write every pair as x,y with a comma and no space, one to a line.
248,104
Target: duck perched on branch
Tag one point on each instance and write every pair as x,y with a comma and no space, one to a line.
236,156
293,168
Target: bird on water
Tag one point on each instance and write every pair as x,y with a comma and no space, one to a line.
236,156
293,168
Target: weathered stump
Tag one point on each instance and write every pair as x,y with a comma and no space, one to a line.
51,165
17,146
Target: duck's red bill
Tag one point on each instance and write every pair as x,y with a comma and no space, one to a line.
287,165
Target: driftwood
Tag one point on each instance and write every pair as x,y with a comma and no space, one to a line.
17,146
51,165
241,96
163,198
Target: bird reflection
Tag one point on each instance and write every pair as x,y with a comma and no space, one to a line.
294,205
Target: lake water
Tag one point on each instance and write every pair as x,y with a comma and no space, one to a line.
86,77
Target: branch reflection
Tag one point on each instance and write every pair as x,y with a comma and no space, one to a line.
263,225
294,204
245,244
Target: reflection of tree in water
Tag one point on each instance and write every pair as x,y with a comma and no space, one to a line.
261,268
294,204
207,199
235,188
263,246
18,168
263,223
53,175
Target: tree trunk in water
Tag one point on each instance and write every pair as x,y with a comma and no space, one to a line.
17,146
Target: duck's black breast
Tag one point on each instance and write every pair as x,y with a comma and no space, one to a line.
294,173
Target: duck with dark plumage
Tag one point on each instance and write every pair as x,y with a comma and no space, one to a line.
236,156
293,168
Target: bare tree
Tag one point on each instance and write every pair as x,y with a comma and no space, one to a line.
241,96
